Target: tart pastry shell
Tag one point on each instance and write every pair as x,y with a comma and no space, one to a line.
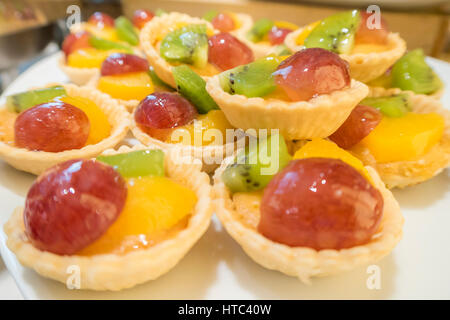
303,262
405,173
149,41
317,118
363,66
246,22
116,272
209,156
38,161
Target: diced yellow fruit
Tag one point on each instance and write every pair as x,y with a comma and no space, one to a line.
200,132
107,33
286,25
405,138
130,86
100,126
306,31
207,71
368,48
154,206
278,94
89,57
7,120
320,148
236,20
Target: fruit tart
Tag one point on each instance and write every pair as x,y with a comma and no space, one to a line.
369,51
307,95
403,135
189,119
89,43
128,78
175,38
127,217
42,127
411,73
267,36
227,21
316,214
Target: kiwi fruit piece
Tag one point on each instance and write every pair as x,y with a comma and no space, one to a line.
384,81
260,29
282,50
335,33
24,100
191,86
104,44
251,80
137,163
188,44
125,31
411,72
394,106
210,15
256,165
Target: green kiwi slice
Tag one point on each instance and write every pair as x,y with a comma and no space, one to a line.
256,165
103,44
411,72
137,163
192,87
125,31
188,44
210,15
251,80
394,106
260,29
335,33
24,100
282,50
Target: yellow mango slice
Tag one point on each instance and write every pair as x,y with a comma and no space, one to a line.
320,148
368,48
155,208
405,138
305,33
286,25
100,126
89,57
7,120
199,133
130,86
107,33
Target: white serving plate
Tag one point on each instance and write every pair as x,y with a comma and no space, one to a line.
217,268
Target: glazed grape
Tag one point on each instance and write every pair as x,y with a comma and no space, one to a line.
312,72
223,22
101,20
51,127
72,204
366,35
227,52
159,112
120,63
361,121
75,41
277,35
141,17
322,204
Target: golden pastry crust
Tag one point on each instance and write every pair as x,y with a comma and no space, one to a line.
316,118
37,161
246,23
116,272
78,76
435,95
209,156
302,262
405,173
149,41
363,66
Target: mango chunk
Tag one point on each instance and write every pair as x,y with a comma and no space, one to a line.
88,57
130,86
305,33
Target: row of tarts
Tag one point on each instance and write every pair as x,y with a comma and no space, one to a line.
354,115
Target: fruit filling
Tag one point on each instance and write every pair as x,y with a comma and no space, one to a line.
410,72
347,32
388,128
223,21
191,45
269,31
302,76
323,198
141,17
115,204
49,120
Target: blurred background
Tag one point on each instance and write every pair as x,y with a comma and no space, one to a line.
33,29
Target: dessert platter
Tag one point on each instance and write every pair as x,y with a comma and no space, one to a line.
117,182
